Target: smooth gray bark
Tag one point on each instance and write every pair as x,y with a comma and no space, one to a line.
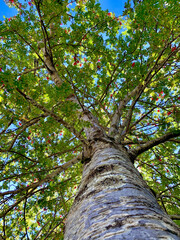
114,202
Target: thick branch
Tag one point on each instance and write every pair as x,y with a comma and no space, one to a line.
150,144
116,118
175,217
127,119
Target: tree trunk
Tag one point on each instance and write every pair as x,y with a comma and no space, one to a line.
114,202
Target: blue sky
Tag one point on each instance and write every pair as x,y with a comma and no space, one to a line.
112,5
116,6
6,11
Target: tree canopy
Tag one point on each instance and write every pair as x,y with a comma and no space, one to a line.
122,70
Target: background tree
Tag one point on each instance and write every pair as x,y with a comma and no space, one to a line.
72,76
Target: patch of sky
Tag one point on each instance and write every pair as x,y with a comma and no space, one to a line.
113,6
6,11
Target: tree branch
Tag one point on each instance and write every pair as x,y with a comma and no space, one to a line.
138,90
26,125
48,57
116,118
141,118
53,115
150,144
175,217
31,70
47,178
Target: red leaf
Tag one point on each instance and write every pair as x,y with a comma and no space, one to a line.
133,64
173,49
